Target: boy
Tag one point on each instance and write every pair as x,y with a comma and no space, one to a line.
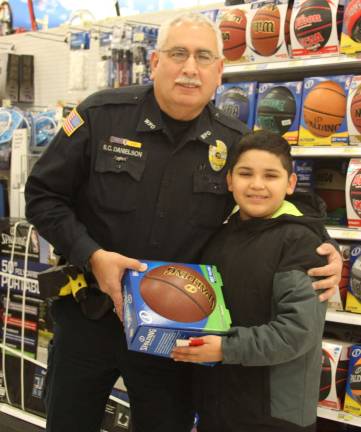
268,379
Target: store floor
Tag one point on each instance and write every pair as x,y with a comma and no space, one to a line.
11,424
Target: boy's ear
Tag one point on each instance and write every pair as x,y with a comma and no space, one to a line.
229,182
292,181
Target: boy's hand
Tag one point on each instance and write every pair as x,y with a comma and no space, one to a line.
331,271
209,351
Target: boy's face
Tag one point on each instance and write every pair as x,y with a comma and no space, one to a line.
259,184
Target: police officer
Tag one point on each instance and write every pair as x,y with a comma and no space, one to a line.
135,173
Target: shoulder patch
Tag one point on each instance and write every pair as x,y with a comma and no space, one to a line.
231,122
72,122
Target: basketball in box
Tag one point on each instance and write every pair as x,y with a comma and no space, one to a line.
313,28
353,193
171,301
335,358
354,111
232,22
351,29
323,119
353,299
238,100
265,32
279,107
353,386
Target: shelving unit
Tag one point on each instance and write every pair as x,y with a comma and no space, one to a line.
339,416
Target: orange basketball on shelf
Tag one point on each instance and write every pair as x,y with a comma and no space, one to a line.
265,30
324,108
356,110
233,28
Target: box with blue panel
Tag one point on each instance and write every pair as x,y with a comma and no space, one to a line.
172,301
352,402
323,119
279,108
238,100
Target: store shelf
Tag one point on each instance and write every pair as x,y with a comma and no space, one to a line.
343,317
326,151
320,65
339,416
344,233
22,415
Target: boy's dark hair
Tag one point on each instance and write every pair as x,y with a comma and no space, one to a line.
268,141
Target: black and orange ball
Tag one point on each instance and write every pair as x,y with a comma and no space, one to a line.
352,19
324,108
233,28
265,30
355,381
313,24
287,26
178,293
326,376
235,103
355,192
355,109
276,110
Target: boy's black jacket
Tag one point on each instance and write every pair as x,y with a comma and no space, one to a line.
269,379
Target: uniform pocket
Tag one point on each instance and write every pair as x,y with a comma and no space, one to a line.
116,178
210,199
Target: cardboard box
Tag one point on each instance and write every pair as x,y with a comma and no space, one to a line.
353,299
352,399
149,332
350,37
238,100
354,111
335,358
279,108
324,99
353,193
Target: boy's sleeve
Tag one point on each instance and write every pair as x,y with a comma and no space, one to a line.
297,314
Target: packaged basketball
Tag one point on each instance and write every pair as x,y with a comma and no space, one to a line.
323,119
335,358
278,108
353,193
354,111
353,386
232,23
171,302
238,100
266,31
313,28
353,299
351,30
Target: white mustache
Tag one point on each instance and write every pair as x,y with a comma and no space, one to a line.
188,81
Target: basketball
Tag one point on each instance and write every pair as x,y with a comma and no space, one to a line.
330,186
356,110
265,30
233,28
355,193
324,108
276,110
234,102
178,293
287,26
313,24
352,20
326,376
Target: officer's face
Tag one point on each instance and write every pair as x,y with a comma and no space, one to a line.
183,86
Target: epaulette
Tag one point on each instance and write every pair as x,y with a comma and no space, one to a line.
126,95
229,121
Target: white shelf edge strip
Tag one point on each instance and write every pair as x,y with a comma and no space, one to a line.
344,233
342,151
23,415
339,416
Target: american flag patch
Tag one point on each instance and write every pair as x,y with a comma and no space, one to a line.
72,122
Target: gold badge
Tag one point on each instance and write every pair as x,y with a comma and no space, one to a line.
217,155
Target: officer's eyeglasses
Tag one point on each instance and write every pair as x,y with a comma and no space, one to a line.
181,55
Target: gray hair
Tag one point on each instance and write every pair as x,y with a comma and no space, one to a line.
192,18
